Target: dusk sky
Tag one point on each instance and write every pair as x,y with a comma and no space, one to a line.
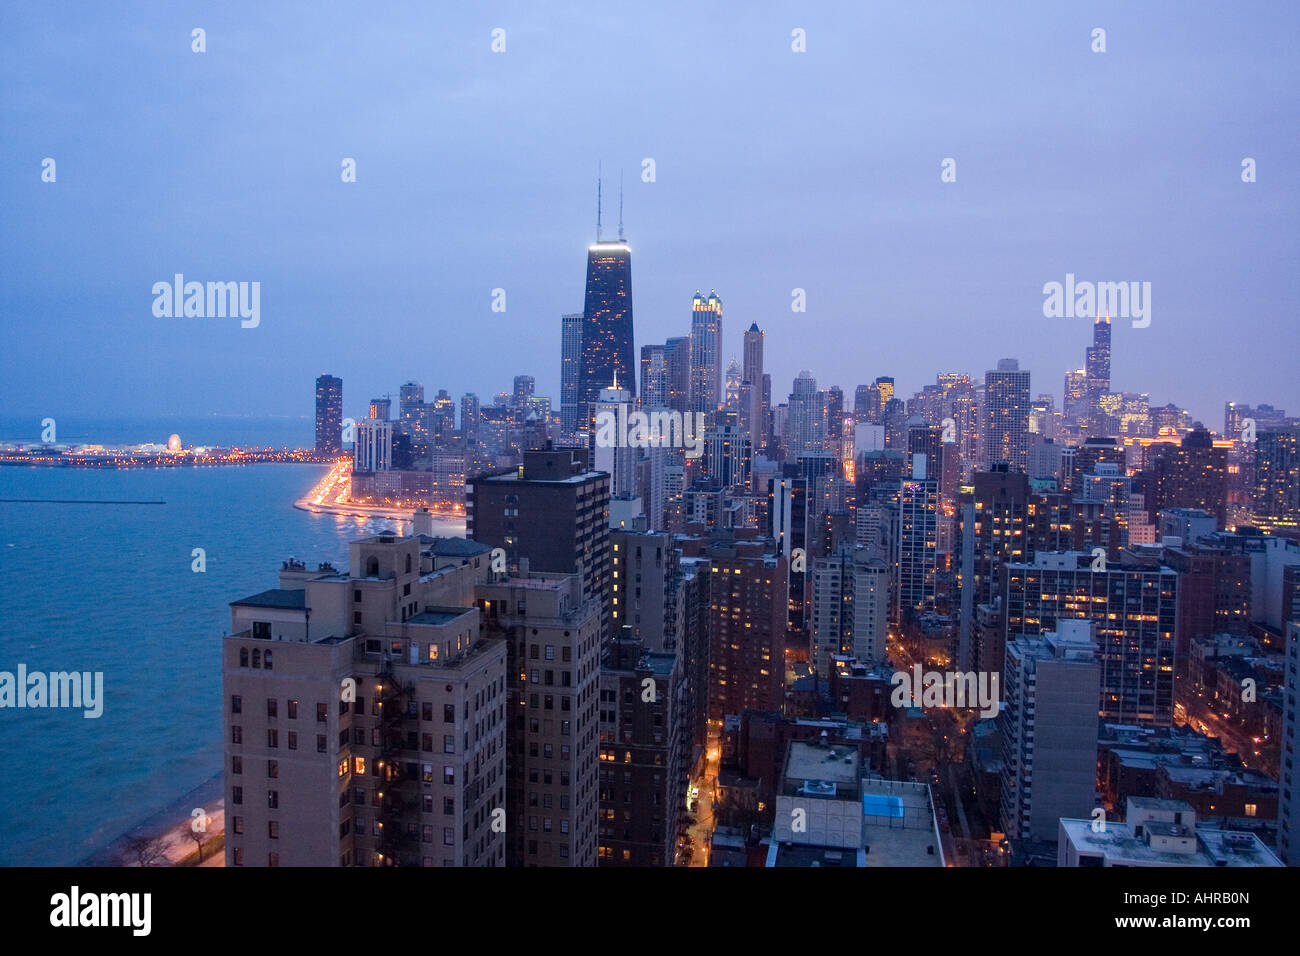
774,170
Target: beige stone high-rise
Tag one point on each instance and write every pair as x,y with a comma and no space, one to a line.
365,713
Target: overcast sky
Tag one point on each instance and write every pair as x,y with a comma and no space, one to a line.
775,170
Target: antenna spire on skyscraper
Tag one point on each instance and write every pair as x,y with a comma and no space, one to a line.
598,200
620,205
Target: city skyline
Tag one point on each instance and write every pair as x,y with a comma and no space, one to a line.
1076,177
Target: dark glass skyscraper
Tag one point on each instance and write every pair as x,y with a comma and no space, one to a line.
1097,376
606,326
329,415
570,370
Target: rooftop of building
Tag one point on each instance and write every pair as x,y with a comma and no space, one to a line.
440,616
814,762
1214,847
275,598
453,547
899,824
795,854
1158,804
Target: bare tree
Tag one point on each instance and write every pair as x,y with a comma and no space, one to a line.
198,836
145,851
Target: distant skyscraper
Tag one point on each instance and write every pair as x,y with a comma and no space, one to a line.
706,352
524,386
1097,375
1006,414
606,325
615,458
754,417
1277,478
1075,406
329,415
381,409
731,400
885,383
469,413
677,361
806,419
917,535
570,370
654,377
374,446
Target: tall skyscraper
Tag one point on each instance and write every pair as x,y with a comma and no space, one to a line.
374,446
654,377
706,352
413,415
1097,375
1006,414
606,325
1277,478
806,419
885,385
329,416
381,409
754,419
918,541
1075,406
614,457
523,390
469,415
731,395
570,371
677,361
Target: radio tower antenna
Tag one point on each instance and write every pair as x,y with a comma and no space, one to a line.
598,200
620,205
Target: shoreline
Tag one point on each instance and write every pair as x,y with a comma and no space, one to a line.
209,795
367,511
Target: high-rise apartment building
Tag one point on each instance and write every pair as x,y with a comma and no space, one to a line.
747,619
1048,727
644,751
373,450
1006,414
1132,604
551,631
677,361
806,419
1191,475
329,416
365,713
551,514
918,543
1277,478
654,377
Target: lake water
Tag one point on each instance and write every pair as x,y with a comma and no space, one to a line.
110,588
